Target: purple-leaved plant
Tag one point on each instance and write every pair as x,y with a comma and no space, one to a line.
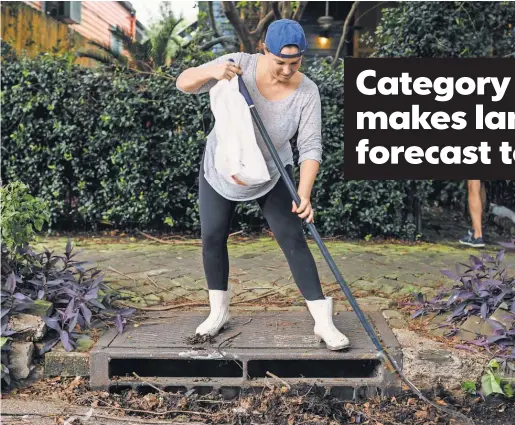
72,288
482,288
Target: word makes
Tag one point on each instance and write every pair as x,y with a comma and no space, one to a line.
433,154
415,120
444,87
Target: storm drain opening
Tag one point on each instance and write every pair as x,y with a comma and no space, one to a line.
314,368
230,393
176,368
342,392
201,390
174,389
119,389
146,389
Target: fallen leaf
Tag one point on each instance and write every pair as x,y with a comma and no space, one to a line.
421,414
441,402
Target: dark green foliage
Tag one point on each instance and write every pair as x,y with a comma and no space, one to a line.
124,148
356,208
102,146
447,29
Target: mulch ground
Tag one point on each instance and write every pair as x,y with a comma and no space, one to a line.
275,404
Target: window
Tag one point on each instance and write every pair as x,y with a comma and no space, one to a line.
66,11
116,42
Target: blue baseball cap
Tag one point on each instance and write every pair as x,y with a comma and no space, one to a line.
285,32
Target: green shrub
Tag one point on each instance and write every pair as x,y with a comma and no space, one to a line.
113,147
122,148
102,146
462,29
22,215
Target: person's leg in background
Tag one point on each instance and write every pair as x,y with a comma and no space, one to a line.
287,229
476,200
216,214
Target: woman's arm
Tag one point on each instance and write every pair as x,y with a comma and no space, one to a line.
309,143
193,79
202,78
308,173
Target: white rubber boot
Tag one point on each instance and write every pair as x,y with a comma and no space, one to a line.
322,312
219,315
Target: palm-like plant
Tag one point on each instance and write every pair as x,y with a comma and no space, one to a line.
159,47
162,45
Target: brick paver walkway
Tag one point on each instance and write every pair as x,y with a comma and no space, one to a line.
150,273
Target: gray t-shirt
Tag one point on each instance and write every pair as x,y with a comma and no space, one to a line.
301,111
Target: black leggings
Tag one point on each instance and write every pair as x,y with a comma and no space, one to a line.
216,213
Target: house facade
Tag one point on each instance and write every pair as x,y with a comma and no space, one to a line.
33,27
94,20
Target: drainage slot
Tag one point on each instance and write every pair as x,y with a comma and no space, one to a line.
119,389
175,389
314,368
230,393
343,393
146,389
200,390
176,368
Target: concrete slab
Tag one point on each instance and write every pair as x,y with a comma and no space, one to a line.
240,357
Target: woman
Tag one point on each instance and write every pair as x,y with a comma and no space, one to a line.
288,103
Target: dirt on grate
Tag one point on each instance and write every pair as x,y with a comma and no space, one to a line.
274,404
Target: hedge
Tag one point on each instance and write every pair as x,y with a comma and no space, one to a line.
112,147
121,148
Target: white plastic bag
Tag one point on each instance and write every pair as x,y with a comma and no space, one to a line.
237,153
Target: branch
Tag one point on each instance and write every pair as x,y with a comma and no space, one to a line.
212,22
265,8
211,15
223,39
297,16
369,10
344,34
286,9
241,30
263,24
275,8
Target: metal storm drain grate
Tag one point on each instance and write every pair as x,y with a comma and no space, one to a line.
243,355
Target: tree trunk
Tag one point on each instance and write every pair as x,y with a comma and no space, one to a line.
212,22
239,26
344,34
269,12
297,16
286,9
